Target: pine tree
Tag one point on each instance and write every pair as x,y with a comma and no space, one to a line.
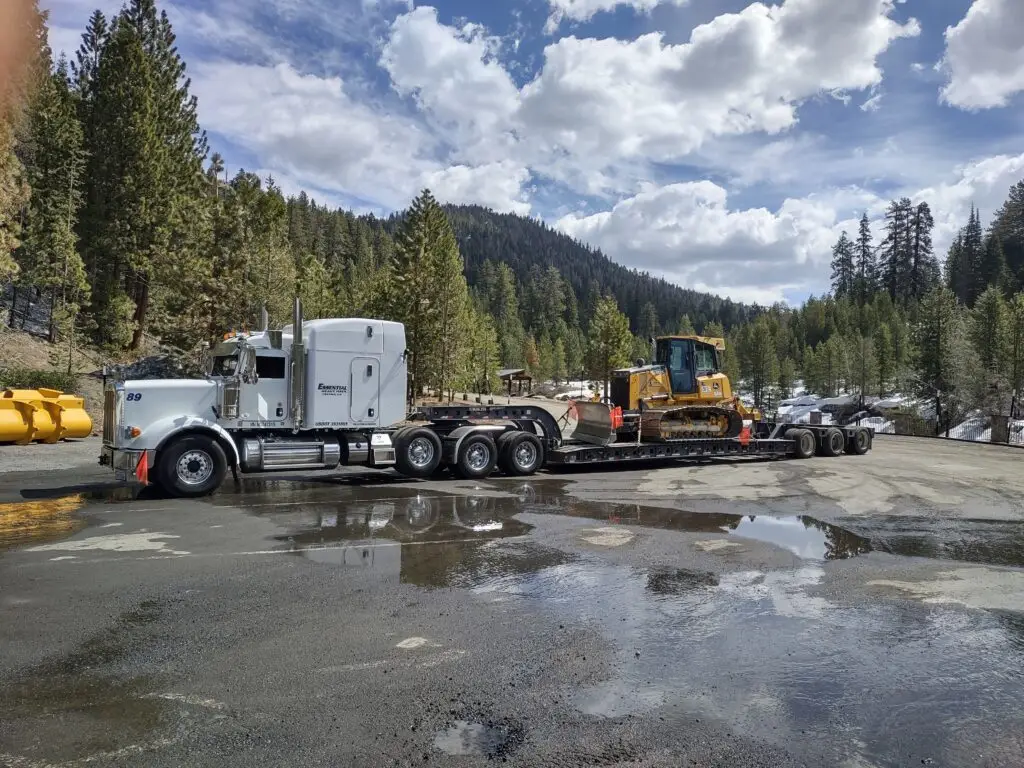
863,364
1015,338
21,69
938,358
1008,227
974,257
49,258
685,327
128,225
896,250
429,293
958,275
559,368
989,331
885,358
481,363
924,268
994,268
318,300
759,360
844,270
787,376
14,193
610,340
865,263
648,325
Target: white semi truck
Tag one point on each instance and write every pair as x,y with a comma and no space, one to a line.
320,394
314,395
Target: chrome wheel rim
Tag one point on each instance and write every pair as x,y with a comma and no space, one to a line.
478,456
421,452
194,467
525,455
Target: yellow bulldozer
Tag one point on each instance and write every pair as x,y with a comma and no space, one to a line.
682,395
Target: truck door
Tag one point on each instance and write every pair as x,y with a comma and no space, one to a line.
365,388
265,403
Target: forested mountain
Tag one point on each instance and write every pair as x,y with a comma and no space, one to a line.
530,248
115,218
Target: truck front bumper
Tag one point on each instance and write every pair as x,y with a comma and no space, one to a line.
128,464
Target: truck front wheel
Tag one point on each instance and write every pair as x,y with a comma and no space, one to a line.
191,466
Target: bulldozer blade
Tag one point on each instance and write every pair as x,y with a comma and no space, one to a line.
594,424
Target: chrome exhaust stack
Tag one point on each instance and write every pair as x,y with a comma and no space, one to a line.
298,371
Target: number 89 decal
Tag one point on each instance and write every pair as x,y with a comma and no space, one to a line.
133,396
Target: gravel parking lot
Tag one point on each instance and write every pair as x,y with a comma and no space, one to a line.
857,611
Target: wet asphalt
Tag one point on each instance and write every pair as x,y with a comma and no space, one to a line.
853,612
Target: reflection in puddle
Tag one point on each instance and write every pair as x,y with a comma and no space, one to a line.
431,541
26,522
479,740
804,536
989,542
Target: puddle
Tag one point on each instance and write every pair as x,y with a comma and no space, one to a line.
479,740
804,536
986,542
430,541
31,522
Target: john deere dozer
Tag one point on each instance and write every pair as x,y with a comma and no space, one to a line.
682,395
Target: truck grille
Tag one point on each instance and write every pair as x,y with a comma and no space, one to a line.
109,416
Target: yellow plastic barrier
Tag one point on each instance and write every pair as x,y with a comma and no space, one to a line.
41,415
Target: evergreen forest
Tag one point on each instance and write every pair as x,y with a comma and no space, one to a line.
116,213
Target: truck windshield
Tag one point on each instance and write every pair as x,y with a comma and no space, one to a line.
224,365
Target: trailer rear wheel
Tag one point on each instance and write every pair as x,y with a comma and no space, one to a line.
803,442
832,442
520,453
477,456
859,442
417,451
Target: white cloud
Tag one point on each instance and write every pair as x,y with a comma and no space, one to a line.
309,128
984,59
583,10
495,185
453,77
983,183
873,104
601,109
688,233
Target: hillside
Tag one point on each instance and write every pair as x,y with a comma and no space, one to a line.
526,244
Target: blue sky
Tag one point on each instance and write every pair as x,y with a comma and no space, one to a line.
718,143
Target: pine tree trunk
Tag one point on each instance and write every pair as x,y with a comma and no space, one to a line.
141,308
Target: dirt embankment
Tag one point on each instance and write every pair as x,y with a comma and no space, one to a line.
24,351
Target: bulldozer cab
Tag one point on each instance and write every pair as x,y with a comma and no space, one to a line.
686,358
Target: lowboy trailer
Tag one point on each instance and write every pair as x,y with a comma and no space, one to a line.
321,394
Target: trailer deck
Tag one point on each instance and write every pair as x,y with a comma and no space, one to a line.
583,453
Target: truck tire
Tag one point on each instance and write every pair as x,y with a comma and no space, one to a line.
832,442
477,456
417,451
859,442
803,442
520,453
191,466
